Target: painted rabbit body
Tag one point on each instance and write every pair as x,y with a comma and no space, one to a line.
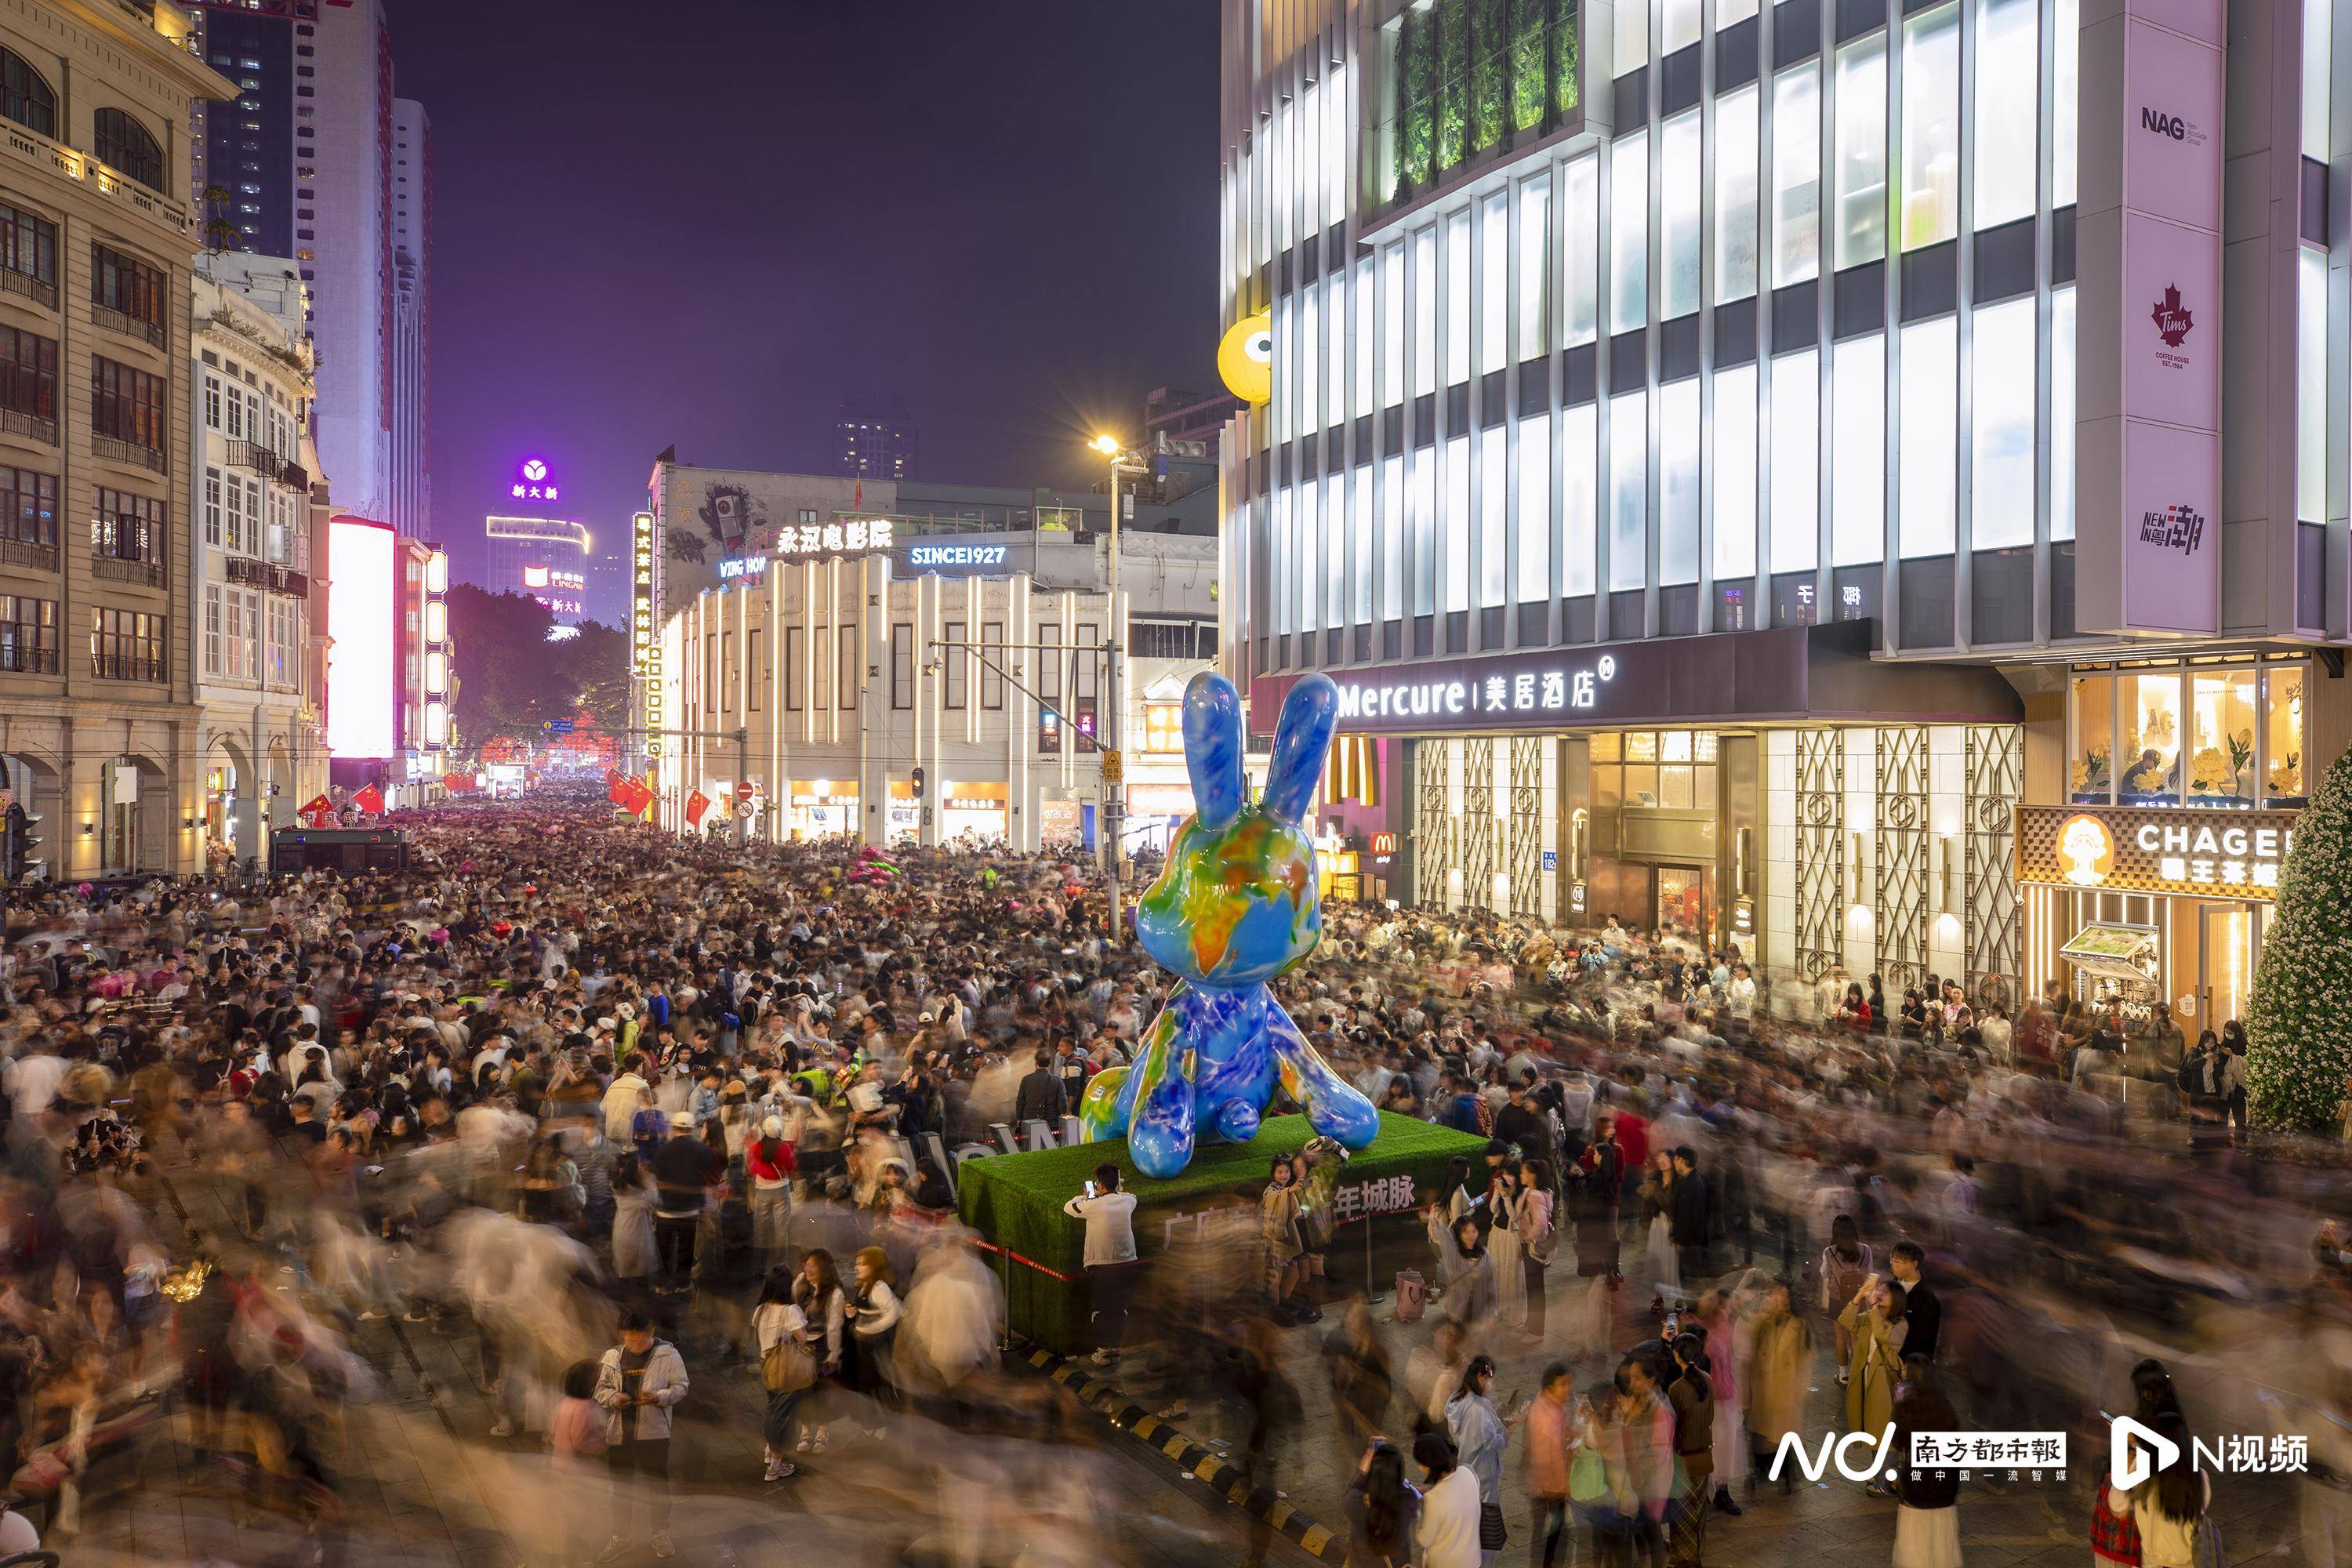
1235,906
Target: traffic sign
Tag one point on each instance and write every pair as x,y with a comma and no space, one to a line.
1112,769
747,811
745,790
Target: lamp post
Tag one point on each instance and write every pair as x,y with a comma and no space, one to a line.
1114,793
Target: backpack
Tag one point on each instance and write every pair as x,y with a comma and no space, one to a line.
1841,1279
1542,1238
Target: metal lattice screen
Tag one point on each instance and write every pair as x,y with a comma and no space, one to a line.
1526,863
1433,823
1899,880
1478,821
1990,907
1821,850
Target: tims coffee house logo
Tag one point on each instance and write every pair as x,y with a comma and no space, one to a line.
2173,320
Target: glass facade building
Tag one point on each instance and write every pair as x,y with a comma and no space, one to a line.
1841,331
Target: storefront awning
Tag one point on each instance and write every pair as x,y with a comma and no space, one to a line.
2113,951
1787,675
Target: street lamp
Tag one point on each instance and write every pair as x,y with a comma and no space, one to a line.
1114,792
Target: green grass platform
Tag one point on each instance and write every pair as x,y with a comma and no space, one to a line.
1016,1201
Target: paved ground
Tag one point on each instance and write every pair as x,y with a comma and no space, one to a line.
423,1484
1830,1524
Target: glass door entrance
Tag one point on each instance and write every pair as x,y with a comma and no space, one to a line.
1683,906
2229,938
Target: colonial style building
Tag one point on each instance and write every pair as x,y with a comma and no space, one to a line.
101,736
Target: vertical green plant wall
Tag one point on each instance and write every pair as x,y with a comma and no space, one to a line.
1529,65
1453,82
1415,99
1470,73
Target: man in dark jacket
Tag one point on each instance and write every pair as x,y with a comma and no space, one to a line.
1521,1122
1921,1308
1691,1221
1040,1098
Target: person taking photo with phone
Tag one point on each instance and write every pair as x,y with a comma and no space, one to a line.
1110,1263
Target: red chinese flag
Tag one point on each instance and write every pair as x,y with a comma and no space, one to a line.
696,804
641,795
370,800
319,807
619,790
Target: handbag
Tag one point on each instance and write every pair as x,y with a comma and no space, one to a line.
1491,1533
787,1368
1588,1477
2208,1545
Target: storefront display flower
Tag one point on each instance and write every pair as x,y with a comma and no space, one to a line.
2210,773
2153,775
2091,768
2286,775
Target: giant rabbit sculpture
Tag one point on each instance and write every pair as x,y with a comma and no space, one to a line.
1235,906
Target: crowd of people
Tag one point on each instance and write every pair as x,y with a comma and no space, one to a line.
622,1114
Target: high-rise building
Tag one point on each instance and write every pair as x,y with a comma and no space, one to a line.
875,440
1182,415
308,154
412,322
541,558
101,736
1682,451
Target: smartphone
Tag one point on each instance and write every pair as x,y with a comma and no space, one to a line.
1090,1189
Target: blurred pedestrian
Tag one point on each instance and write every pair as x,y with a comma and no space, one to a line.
638,1383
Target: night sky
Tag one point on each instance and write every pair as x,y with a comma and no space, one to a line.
707,222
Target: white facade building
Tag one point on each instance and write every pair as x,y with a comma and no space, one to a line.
957,706
344,175
1904,420
252,594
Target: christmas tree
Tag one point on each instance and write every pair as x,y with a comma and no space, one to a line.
2299,1027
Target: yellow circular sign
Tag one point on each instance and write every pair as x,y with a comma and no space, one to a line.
1245,358
2087,848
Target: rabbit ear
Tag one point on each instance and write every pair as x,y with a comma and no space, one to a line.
1213,749
1309,714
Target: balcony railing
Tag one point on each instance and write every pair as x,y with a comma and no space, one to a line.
292,583
19,659
114,569
255,458
294,474
116,450
128,667
34,288
27,553
128,325
41,153
32,426
245,571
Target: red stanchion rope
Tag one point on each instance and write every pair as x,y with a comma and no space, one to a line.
1030,1262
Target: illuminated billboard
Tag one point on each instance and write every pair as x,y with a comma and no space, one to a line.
361,619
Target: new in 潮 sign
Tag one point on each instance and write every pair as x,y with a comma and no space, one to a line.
2149,369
